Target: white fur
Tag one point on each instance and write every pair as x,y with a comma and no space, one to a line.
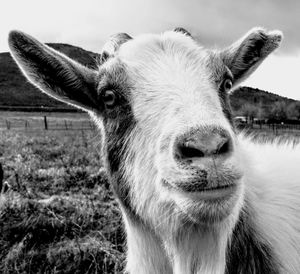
272,182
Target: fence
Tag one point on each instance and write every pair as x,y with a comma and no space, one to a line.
60,123
275,128
45,123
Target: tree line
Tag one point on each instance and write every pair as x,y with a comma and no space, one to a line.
280,111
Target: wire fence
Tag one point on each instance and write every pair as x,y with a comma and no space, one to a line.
84,123
45,123
274,128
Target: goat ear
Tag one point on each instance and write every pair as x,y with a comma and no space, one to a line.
53,72
245,55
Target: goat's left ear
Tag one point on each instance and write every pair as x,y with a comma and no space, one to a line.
54,73
245,55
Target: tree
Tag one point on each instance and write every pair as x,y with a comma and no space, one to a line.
279,111
261,113
249,111
293,110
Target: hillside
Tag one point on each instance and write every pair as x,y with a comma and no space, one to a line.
15,91
257,97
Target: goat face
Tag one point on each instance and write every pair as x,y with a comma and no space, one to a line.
161,101
181,147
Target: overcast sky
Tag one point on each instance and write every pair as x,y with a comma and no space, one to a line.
89,23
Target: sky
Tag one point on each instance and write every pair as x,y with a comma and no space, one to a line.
215,23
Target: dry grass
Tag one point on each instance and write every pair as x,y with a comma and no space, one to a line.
59,216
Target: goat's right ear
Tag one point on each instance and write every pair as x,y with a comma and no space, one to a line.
245,55
53,72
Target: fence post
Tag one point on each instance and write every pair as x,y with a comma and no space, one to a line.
26,124
7,124
45,122
66,125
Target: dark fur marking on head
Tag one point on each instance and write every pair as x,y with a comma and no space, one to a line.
117,133
114,78
104,56
219,72
226,108
118,123
246,253
113,45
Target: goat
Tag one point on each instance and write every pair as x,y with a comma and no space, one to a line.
195,195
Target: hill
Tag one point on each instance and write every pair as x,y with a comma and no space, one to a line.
257,97
16,91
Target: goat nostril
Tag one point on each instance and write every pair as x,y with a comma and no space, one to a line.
189,152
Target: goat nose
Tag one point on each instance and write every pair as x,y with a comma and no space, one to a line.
203,143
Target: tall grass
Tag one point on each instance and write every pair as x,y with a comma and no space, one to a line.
59,215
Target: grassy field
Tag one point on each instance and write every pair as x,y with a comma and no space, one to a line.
59,215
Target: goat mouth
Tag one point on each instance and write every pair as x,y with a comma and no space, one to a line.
198,189
213,193
206,187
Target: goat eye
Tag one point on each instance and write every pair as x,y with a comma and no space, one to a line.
227,85
109,98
